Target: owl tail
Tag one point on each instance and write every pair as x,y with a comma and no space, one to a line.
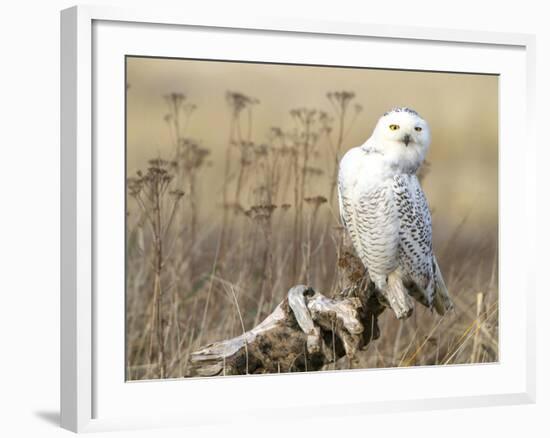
442,301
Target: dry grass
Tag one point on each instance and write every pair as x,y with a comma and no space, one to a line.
194,278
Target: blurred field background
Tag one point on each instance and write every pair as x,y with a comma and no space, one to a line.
231,200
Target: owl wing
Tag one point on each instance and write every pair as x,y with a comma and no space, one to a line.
370,217
416,260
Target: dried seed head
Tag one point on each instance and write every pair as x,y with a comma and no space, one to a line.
305,116
190,154
341,99
134,186
276,132
261,211
158,163
314,171
174,100
316,200
239,101
261,150
178,194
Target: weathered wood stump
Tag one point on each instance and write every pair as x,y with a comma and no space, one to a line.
306,332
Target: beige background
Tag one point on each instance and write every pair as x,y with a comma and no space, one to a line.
461,109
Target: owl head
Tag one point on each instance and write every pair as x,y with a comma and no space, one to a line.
403,137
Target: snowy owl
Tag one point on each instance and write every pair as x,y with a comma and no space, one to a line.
385,212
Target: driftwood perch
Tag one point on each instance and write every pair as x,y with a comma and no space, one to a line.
306,332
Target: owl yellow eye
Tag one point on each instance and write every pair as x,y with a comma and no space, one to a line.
394,127
418,129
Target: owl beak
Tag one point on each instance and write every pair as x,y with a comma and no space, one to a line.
407,139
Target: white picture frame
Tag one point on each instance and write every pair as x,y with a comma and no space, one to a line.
93,397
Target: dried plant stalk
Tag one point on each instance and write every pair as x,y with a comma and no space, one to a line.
150,189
